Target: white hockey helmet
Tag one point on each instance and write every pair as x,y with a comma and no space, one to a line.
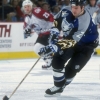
27,2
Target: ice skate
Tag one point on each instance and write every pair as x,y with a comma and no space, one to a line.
54,91
46,67
48,63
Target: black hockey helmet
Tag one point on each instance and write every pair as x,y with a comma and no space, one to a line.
78,2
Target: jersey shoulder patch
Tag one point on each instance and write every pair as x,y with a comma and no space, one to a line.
42,14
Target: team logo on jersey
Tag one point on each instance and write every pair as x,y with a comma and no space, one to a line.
66,26
35,27
64,13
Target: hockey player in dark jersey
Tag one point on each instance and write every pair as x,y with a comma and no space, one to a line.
80,40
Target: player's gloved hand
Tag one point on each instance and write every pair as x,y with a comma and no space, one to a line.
65,43
48,50
27,33
54,35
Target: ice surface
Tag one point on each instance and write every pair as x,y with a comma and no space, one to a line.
85,86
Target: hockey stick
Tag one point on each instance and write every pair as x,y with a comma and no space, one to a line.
5,97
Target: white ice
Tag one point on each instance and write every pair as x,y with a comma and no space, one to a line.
85,86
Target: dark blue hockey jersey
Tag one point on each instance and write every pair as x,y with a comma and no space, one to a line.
82,29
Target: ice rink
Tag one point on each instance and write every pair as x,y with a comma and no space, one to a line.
85,86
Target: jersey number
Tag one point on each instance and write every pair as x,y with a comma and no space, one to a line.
46,15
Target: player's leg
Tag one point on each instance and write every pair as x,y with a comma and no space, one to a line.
58,63
41,42
47,60
37,47
76,63
58,76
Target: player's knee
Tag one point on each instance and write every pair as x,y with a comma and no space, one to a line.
57,63
69,72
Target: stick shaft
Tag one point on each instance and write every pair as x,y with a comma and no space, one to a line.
24,78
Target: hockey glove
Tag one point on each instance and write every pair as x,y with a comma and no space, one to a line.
48,50
65,43
54,35
27,33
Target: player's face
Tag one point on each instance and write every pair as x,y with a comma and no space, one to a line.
92,2
27,9
76,10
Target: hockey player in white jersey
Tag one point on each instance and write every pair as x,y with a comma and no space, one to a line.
40,21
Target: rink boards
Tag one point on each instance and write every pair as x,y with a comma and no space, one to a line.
13,45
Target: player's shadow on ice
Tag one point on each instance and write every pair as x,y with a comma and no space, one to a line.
62,97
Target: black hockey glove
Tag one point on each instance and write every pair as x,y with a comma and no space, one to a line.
27,33
48,50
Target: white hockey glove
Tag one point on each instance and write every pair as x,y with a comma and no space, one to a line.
48,50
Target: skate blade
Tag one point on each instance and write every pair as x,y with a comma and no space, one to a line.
49,68
53,95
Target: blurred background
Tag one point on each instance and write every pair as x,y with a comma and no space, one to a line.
11,27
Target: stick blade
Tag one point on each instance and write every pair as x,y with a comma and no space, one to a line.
5,98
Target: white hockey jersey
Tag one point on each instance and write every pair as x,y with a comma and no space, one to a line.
39,20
